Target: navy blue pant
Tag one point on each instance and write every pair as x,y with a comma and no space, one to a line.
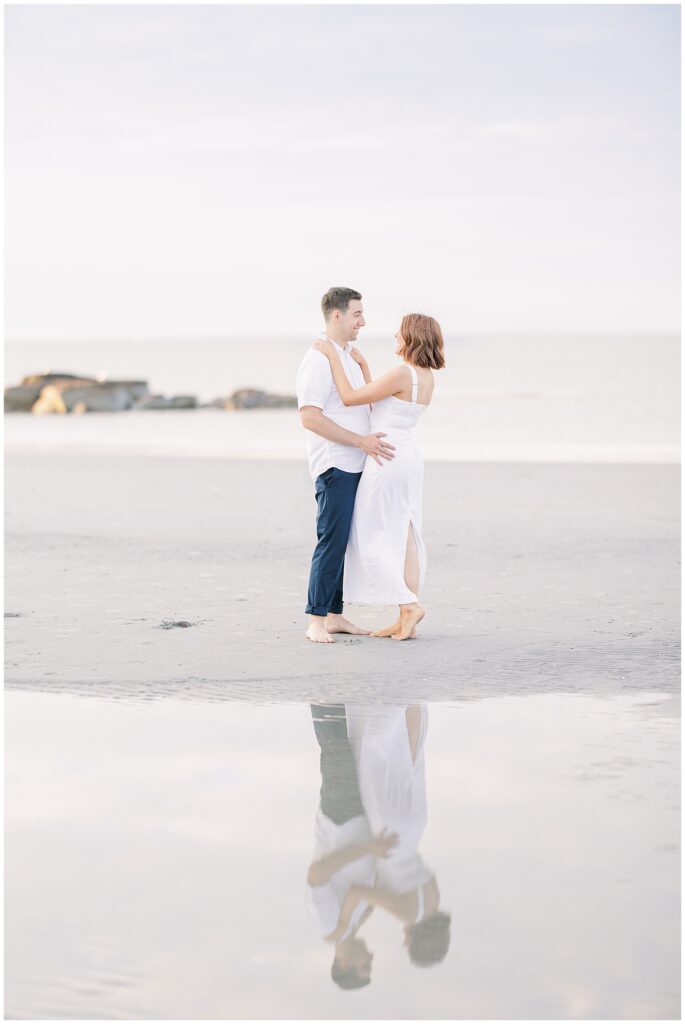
335,494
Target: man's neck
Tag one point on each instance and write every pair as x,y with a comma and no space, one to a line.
336,341
343,949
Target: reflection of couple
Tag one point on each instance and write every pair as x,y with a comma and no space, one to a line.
370,820
367,469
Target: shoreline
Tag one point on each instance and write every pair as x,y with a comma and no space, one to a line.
66,443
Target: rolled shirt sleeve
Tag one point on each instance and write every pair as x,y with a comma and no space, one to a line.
314,380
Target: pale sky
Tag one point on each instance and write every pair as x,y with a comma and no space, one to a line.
211,170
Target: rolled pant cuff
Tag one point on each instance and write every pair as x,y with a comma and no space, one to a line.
313,610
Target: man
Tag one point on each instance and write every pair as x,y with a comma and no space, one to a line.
338,441
345,850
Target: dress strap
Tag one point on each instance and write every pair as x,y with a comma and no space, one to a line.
415,384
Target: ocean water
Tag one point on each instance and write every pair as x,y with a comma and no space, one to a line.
596,398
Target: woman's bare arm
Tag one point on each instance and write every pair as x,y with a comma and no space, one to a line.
321,871
390,383
364,367
400,905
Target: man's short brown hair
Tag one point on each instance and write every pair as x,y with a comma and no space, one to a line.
347,978
337,298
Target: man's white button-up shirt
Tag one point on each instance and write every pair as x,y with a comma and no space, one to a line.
315,386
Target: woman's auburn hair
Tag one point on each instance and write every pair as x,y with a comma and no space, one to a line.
423,344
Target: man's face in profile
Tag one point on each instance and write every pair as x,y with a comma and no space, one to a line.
353,320
361,959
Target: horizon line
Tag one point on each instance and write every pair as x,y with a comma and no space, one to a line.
461,335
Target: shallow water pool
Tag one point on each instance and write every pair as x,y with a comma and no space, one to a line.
173,859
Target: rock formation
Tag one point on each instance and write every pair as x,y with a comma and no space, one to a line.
48,393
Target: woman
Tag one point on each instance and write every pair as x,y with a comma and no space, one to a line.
386,557
389,750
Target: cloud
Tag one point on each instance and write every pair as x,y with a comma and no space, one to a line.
235,136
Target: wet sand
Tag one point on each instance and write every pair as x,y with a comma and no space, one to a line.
174,774
541,578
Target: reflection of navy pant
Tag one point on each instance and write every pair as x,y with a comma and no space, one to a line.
335,494
340,799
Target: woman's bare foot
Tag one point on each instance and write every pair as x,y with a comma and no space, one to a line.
389,630
410,616
339,624
317,631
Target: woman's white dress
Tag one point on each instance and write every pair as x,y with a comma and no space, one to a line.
393,790
389,502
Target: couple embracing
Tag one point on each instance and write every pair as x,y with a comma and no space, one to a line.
367,470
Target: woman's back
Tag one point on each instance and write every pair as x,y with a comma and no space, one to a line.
393,414
425,381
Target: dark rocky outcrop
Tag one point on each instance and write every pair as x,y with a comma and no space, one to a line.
161,402
21,398
114,398
216,403
80,395
48,393
251,398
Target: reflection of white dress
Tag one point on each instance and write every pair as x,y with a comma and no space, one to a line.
389,499
325,901
392,788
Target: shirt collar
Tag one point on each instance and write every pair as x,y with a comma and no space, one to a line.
346,347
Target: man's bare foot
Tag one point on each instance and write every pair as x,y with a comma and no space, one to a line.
317,631
410,616
339,624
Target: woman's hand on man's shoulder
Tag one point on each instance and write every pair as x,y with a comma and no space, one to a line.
357,356
325,347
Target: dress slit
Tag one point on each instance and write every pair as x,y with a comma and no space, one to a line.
412,535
